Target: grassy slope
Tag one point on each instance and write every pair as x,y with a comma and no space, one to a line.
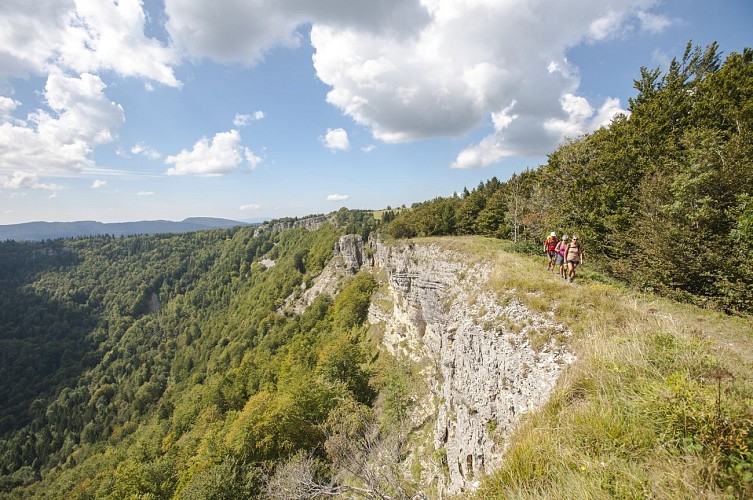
658,405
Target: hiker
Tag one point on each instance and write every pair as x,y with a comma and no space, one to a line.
559,257
573,257
549,245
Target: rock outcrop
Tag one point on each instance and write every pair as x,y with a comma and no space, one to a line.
489,360
311,223
350,249
487,372
347,261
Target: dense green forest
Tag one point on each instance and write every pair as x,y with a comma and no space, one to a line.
662,198
158,365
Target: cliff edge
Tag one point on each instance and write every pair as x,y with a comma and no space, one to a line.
488,359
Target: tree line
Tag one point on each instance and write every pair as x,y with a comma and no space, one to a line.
662,197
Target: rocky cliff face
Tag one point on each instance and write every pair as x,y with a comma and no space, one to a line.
487,368
489,359
311,223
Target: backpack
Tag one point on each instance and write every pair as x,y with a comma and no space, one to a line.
573,245
551,243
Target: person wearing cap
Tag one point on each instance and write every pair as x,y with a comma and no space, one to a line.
549,245
573,257
559,257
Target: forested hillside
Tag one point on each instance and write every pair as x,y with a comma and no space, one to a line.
170,366
662,198
154,365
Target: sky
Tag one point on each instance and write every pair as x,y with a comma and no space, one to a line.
126,110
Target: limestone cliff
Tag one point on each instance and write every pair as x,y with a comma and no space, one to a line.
484,371
311,223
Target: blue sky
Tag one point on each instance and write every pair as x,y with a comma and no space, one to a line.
260,109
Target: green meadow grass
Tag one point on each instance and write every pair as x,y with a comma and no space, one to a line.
378,214
659,403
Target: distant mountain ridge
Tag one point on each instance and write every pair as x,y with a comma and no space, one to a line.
36,231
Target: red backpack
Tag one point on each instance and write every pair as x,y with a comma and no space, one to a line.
551,243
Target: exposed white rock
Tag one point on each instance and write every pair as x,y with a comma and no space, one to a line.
267,263
311,223
347,260
350,250
486,372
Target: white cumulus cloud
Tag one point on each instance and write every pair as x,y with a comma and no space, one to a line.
582,117
237,31
336,139
471,61
61,138
98,183
250,206
83,36
220,155
69,43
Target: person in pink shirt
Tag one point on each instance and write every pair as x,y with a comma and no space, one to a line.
559,256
